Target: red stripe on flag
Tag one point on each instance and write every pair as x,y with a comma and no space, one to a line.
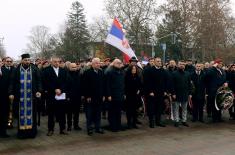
126,58
117,24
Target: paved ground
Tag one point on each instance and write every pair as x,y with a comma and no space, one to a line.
198,139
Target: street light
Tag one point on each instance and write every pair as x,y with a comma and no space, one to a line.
153,39
174,35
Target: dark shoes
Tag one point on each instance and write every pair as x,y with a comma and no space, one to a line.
69,129
50,133
161,125
135,127
4,135
209,115
100,131
185,124
63,132
132,126
77,128
176,124
138,122
194,120
201,120
151,125
89,132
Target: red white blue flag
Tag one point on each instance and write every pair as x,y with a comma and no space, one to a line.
116,38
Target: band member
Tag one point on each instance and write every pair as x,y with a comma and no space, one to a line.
156,83
115,91
215,78
94,95
56,85
198,93
25,87
182,90
132,90
74,95
231,84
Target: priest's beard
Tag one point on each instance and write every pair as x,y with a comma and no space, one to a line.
25,66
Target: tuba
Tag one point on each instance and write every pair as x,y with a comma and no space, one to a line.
224,98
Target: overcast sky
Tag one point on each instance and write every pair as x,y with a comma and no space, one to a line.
17,17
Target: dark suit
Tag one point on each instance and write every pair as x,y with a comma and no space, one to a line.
157,84
74,95
198,94
55,107
94,89
4,101
132,86
116,89
214,80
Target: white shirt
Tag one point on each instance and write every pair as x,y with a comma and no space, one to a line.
157,67
198,72
219,71
8,67
56,71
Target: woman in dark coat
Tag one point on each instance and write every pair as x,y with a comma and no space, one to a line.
132,91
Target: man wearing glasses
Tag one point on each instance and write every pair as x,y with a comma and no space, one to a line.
5,71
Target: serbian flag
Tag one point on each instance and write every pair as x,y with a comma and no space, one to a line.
116,38
126,58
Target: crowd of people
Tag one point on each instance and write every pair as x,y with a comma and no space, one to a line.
58,89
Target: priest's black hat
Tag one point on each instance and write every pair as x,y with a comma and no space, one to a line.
26,55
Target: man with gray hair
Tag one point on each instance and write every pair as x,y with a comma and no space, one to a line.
115,91
93,80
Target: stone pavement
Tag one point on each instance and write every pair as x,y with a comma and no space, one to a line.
198,139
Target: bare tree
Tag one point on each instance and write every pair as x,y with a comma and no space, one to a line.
39,41
99,29
205,26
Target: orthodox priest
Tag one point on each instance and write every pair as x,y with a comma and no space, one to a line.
25,87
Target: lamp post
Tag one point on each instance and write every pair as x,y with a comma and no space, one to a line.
163,45
153,39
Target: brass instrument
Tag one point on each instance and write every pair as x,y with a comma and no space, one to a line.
224,98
